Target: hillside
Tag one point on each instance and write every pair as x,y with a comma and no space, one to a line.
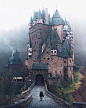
80,94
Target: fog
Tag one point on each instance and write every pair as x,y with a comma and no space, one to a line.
15,16
18,38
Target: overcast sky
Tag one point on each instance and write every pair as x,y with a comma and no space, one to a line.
14,13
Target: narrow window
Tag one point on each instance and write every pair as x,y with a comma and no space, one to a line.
51,51
54,51
64,61
48,58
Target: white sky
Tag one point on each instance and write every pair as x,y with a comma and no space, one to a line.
14,13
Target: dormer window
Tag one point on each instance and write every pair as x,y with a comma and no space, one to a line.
53,52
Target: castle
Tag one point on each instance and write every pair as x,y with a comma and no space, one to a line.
50,48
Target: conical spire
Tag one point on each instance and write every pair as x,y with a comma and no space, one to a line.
35,16
31,20
43,12
39,15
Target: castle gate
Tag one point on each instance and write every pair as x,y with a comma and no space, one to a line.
39,73
39,80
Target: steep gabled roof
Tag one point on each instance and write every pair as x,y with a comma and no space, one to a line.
54,41
39,66
66,52
55,36
53,45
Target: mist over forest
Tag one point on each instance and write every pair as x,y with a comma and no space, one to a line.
18,38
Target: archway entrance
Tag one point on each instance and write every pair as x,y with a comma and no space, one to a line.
39,80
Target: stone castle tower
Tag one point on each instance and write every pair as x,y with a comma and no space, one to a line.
50,44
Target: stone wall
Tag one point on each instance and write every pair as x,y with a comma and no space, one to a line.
38,35
34,73
58,100
63,102
53,83
78,105
15,67
55,64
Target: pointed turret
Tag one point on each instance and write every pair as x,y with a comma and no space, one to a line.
57,20
39,15
34,18
39,18
31,22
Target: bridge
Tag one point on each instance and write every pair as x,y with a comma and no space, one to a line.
47,102
30,99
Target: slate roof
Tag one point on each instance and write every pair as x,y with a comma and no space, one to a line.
54,41
39,16
56,14
53,45
43,12
39,66
57,20
66,52
15,59
35,16
55,37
